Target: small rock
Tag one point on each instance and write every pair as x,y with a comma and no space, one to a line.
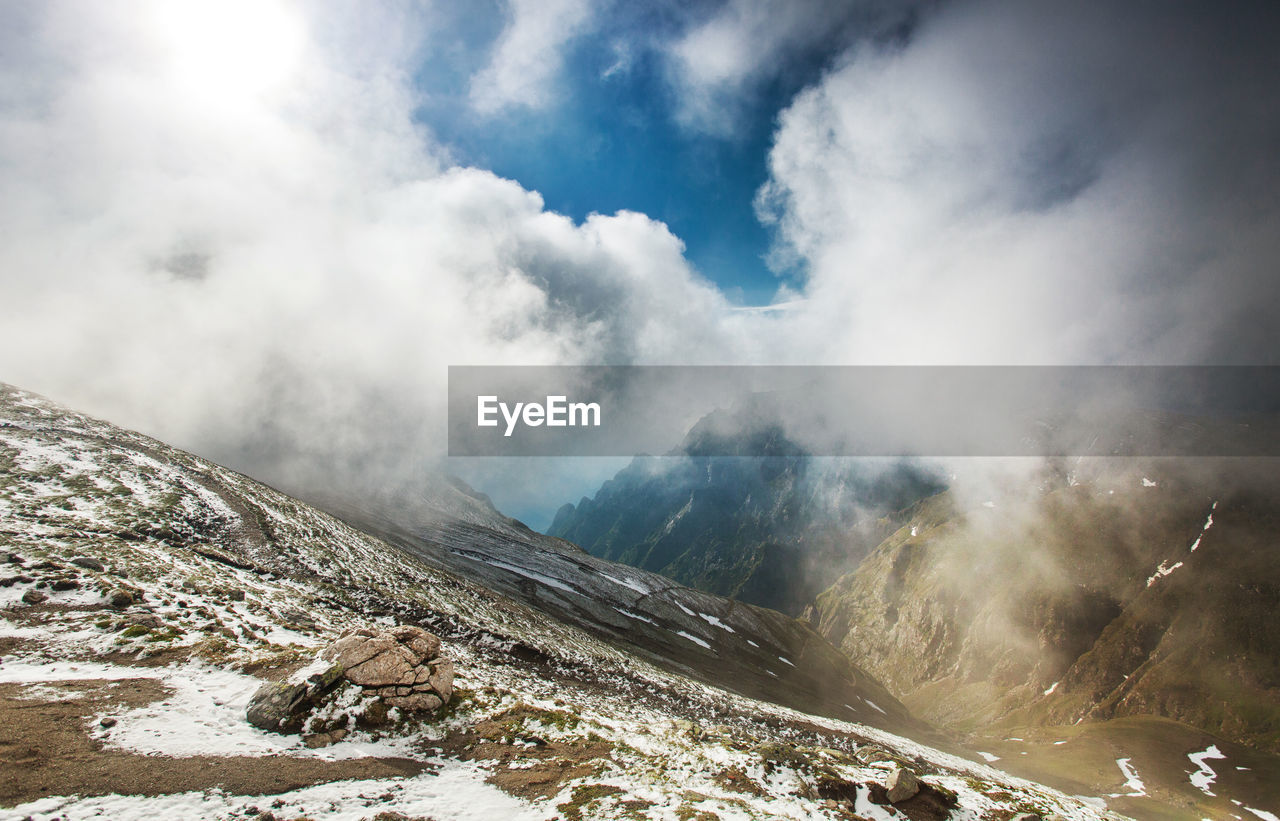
120,598
88,563
235,595
946,796
1026,816
278,706
66,584
902,785
34,597
298,617
107,723
14,558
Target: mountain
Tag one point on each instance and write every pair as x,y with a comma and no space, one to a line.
148,594
1127,590
770,530
1118,604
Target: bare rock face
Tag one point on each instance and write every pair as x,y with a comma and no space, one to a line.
367,678
902,784
441,677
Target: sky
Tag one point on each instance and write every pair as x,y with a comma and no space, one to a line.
263,230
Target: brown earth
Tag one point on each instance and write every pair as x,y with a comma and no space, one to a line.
554,762
45,749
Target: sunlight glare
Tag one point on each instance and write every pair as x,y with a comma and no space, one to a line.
230,49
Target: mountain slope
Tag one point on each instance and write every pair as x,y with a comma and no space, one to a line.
757,652
1127,591
751,650
768,530
148,593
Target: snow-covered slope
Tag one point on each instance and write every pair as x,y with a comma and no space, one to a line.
146,593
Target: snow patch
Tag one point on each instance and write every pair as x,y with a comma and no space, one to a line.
693,639
625,583
1207,524
528,574
1163,571
1132,783
635,616
1203,778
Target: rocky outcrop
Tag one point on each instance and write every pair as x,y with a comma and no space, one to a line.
367,678
902,784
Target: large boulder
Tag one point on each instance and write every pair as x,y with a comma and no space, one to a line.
367,678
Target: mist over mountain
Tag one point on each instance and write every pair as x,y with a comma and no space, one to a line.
768,530
1116,589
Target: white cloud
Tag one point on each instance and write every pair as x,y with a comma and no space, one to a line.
718,64
279,275
527,57
275,267
1029,184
